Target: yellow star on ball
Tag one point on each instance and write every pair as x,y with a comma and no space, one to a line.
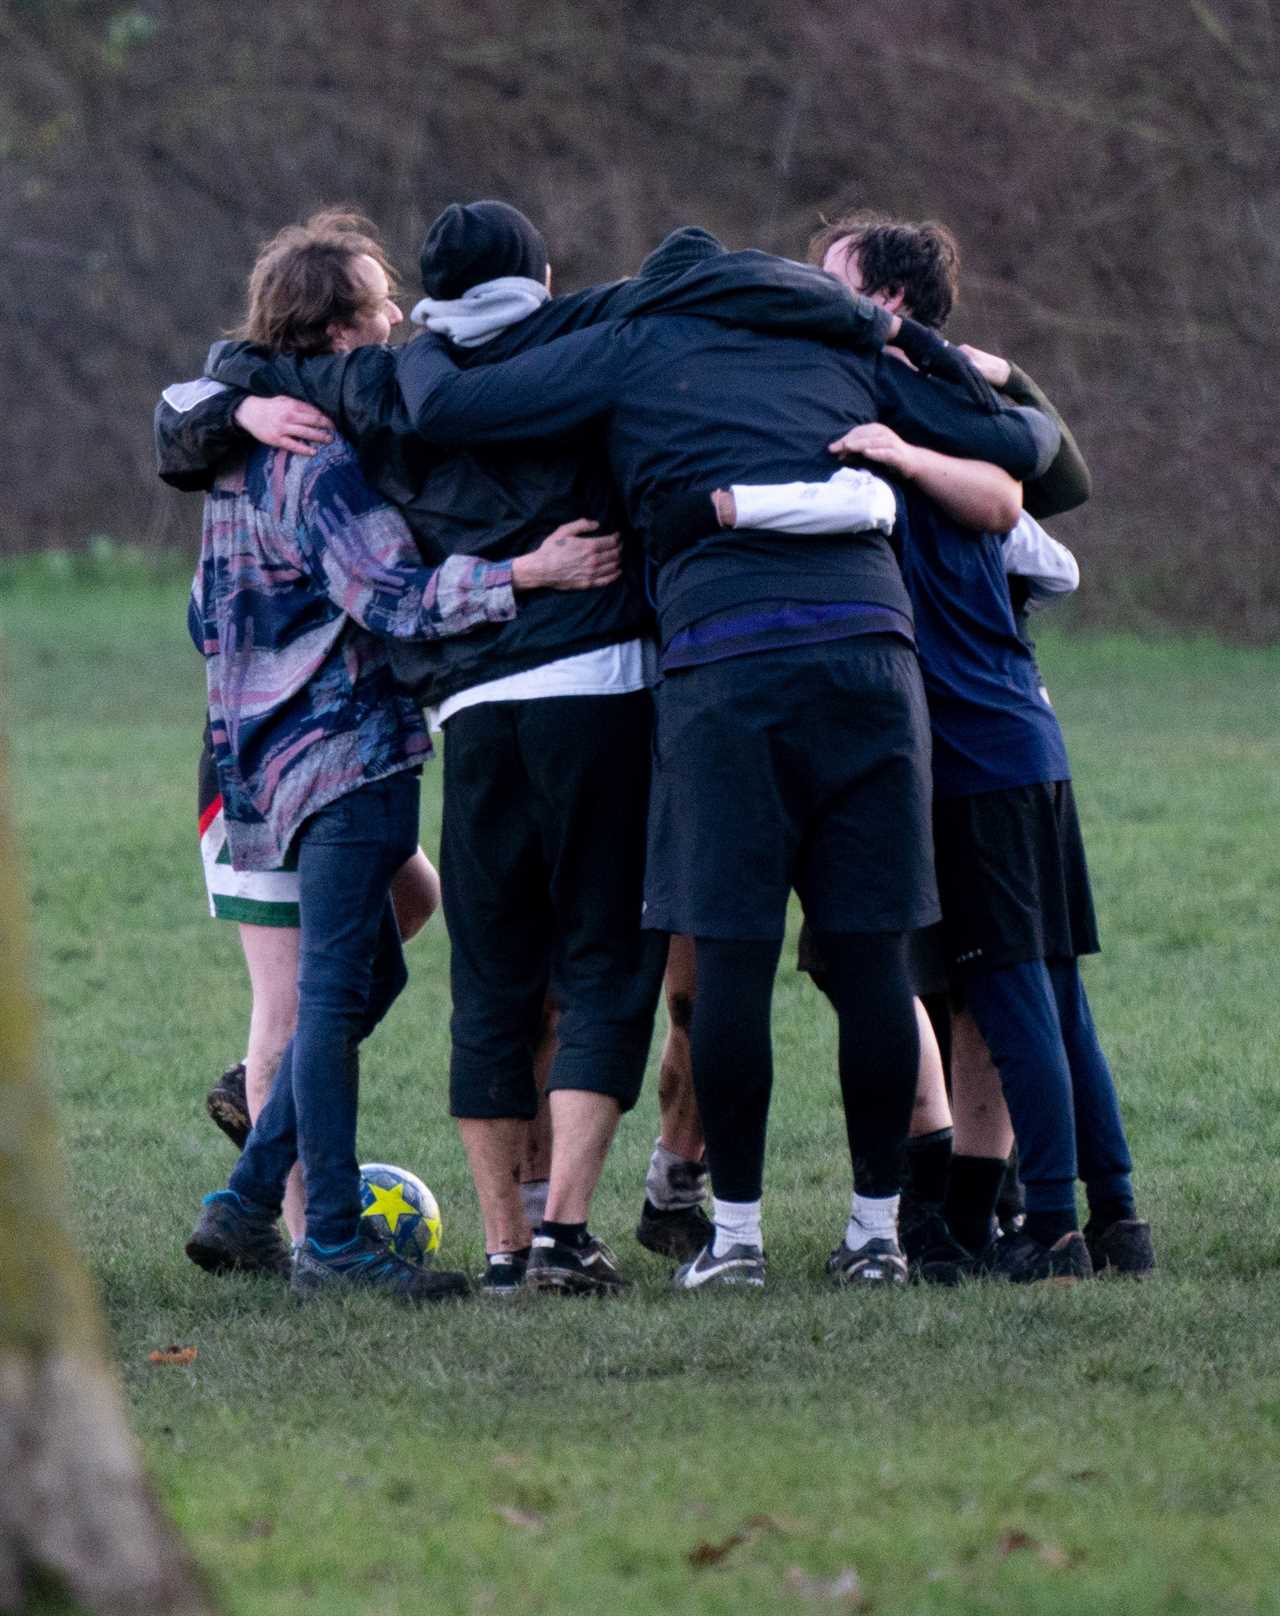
389,1204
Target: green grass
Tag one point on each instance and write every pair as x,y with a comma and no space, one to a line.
559,1458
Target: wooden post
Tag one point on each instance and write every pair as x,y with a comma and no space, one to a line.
76,1509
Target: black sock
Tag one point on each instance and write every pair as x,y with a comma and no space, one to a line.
565,1234
1047,1228
971,1198
928,1164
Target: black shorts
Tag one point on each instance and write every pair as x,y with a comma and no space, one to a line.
806,768
1013,878
541,868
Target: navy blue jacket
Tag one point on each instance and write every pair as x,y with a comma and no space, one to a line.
691,404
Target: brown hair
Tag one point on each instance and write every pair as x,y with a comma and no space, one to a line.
922,259
302,282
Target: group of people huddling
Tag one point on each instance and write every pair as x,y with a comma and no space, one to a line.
715,579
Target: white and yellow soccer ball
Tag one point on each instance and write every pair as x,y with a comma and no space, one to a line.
396,1206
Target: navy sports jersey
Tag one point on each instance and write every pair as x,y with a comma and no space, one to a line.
992,727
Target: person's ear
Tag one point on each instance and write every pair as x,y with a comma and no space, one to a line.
339,337
895,300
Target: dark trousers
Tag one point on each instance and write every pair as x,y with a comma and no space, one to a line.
542,872
869,983
1057,1083
350,971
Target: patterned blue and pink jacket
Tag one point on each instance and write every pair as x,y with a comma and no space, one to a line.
305,575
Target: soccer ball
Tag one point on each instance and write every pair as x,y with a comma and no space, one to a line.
399,1208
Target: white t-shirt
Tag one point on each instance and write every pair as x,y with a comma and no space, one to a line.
611,670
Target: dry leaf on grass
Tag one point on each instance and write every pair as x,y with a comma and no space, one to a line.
1016,1540
845,1589
527,1520
710,1554
174,1355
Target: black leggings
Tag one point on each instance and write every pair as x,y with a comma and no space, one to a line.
866,977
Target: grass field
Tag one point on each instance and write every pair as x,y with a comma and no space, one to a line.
1105,1449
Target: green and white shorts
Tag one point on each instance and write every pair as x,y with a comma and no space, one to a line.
253,897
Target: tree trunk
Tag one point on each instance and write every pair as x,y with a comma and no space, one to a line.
76,1511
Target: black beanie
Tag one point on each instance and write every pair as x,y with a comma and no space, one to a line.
473,242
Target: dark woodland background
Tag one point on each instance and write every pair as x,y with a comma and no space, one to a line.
1109,166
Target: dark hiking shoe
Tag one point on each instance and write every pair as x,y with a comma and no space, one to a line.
586,1270
364,1263
1123,1247
680,1232
233,1234
878,1263
226,1104
1024,1261
740,1265
504,1273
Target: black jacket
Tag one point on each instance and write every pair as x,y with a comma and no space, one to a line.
690,404
502,501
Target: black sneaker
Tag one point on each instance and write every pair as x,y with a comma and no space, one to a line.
879,1262
504,1273
680,1232
233,1234
740,1265
226,1104
367,1264
934,1255
1024,1261
1121,1248
587,1270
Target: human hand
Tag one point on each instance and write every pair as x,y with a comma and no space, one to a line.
995,369
285,423
880,443
573,557
726,507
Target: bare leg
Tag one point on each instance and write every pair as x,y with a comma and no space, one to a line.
535,1150
271,954
932,1110
493,1146
982,1119
681,1126
583,1125
415,893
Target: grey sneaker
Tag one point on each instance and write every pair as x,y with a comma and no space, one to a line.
588,1270
879,1262
367,1264
233,1234
680,1232
740,1265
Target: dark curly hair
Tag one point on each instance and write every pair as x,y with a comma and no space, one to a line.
922,259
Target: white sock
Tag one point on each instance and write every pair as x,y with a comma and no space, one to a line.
674,1181
533,1197
871,1218
737,1224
